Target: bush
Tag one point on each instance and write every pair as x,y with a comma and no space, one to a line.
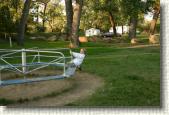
40,29
143,27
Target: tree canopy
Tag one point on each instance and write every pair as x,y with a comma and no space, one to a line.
73,16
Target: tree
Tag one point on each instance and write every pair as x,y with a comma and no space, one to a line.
112,21
156,12
69,17
94,17
9,16
121,20
111,8
45,3
6,22
73,14
23,21
55,17
131,9
77,9
44,13
15,4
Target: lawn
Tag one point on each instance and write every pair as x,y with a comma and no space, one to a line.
131,75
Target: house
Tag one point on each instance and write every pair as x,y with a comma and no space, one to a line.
92,32
119,29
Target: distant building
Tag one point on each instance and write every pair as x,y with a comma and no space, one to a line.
148,17
39,9
119,29
92,32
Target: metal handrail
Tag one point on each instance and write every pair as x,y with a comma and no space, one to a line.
59,59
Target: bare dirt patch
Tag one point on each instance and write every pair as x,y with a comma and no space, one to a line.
35,89
68,90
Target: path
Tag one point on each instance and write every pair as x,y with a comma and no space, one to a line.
84,86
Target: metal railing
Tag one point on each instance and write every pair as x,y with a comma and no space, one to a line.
31,60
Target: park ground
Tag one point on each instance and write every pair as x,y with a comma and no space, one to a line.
131,73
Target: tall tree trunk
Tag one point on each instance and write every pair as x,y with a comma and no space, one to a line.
154,21
23,21
132,27
77,9
112,23
37,20
122,29
152,37
69,16
44,17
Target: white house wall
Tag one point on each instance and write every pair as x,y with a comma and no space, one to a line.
92,32
119,29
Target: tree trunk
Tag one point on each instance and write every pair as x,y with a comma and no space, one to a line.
37,20
77,9
152,37
122,29
132,27
23,21
44,17
69,16
112,23
153,22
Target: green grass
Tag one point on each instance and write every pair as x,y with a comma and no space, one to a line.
130,80
4,102
131,75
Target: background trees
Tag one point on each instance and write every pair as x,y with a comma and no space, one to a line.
5,20
71,16
131,9
43,14
111,8
55,18
9,17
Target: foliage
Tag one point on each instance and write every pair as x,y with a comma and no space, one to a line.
94,20
53,17
9,15
132,7
5,18
95,14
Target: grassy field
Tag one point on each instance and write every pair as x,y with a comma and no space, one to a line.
131,75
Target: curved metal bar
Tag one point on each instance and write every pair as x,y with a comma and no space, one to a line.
58,60
45,49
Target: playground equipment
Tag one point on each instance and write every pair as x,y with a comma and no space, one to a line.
25,61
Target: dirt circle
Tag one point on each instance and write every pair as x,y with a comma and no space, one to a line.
53,92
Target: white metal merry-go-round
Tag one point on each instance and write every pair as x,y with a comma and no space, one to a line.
25,61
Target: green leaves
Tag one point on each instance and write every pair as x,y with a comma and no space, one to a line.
106,5
134,7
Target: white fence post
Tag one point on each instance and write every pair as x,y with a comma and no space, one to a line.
10,41
23,61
